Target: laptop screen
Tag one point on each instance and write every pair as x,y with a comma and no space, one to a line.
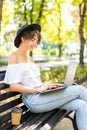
70,74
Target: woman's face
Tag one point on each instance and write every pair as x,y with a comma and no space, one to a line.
30,44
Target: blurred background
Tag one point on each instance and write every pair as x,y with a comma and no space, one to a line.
63,23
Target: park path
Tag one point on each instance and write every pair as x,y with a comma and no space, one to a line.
49,64
45,65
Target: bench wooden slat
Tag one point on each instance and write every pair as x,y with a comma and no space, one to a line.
8,95
2,75
3,86
55,118
24,108
43,119
10,105
5,118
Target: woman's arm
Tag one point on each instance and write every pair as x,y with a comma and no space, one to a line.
21,88
26,89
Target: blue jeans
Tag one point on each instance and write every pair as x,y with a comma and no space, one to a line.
72,98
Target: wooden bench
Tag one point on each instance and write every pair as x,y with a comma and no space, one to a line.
29,121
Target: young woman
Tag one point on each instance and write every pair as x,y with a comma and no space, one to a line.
24,76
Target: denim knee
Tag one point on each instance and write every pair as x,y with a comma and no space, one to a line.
81,104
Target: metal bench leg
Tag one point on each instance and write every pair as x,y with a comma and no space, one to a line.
74,122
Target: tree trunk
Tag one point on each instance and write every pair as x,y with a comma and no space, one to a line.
60,50
82,14
31,12
25,15
40,12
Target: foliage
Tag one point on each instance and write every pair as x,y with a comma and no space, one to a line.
81,71
59,21
57,74
7,14
76,2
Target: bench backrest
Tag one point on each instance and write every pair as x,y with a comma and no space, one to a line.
8,100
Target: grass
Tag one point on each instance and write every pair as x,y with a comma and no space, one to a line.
57,74
3,61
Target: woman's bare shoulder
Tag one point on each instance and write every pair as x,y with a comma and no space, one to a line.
12,58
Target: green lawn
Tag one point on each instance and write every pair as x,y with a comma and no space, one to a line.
57,74
3,61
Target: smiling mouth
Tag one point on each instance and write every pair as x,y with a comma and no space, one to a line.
32,47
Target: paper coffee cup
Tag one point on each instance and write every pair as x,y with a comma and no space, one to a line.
16,115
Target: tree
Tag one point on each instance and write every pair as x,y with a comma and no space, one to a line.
56,30
82,14
82,5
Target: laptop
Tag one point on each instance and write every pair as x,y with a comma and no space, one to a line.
69,77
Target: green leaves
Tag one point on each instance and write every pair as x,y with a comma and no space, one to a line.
76,2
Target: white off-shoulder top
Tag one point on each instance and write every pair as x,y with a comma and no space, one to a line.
24,73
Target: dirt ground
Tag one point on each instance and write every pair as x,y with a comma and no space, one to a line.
66,124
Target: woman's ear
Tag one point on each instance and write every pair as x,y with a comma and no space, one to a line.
22,39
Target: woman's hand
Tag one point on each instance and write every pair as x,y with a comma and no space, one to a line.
42,88
55,85
48,85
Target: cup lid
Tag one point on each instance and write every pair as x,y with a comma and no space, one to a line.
16,109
